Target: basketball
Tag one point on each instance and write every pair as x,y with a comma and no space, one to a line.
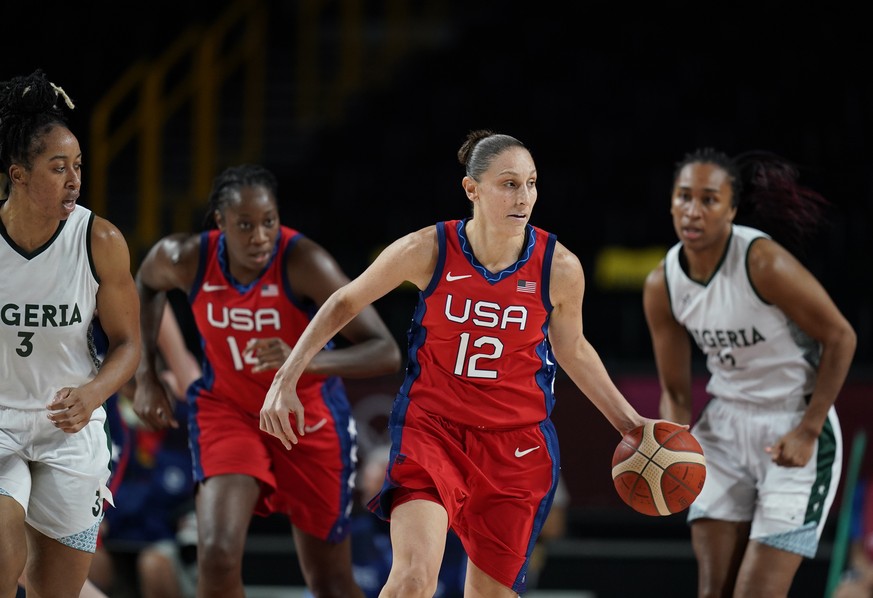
658,468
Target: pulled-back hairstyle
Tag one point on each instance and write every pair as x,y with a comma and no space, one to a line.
480,148
231,180
767,193
28,110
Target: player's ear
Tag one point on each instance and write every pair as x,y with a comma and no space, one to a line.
17,174
470,188
219,219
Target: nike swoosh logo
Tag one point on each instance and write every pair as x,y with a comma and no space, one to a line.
520,453
208,288
313,428
451,278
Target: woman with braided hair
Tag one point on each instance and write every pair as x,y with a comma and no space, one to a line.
59,265
778,351
253,285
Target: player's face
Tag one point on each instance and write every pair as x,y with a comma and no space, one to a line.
506,194
251,225
53,182
702,205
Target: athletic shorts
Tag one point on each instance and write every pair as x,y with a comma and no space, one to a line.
497,486
58,478
787,506
311,483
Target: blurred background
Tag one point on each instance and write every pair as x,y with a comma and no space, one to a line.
360,107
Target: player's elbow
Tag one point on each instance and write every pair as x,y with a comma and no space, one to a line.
392,359
387,360
841,339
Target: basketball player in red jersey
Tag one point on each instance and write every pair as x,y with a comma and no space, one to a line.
253,286
473,447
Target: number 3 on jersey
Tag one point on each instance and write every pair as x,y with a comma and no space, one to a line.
472,366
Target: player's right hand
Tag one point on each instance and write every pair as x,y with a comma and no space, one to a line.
153,403
279,404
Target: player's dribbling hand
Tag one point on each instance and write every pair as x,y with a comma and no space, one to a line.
279,404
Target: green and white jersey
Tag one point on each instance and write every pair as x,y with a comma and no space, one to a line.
47,302
754,352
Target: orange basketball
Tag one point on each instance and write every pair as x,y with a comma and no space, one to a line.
658,468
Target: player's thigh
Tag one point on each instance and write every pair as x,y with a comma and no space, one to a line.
224,505
54,569
418,535
479,584
719,547
13,551
325,564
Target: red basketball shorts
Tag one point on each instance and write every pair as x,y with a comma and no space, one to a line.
497,486
311,483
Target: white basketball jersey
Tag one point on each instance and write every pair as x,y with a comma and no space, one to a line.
47,303
754,352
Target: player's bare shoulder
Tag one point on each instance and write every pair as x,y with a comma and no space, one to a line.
109,250
178,248
567,275
172,262
412,257
105,236
422,242
656,279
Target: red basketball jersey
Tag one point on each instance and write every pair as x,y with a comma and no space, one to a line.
229,314
479,353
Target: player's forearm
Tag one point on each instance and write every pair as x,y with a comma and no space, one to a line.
675,407
372,357
836,358
117,369
152,305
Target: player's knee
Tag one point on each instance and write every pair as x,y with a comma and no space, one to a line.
153,565
218,559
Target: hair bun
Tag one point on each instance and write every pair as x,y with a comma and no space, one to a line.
31,94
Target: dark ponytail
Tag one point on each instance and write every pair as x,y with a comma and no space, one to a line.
774,201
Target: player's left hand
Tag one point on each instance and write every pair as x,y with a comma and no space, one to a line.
267,353
792,450
69,410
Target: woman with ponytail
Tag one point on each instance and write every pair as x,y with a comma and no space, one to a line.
778,351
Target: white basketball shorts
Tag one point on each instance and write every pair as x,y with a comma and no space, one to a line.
787,506
58,478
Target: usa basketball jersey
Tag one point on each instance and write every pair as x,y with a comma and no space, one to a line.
229,314
48,298
480,339
754,352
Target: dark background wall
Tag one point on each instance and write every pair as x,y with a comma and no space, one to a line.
607,99
606,96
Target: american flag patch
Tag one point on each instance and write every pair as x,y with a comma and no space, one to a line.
270,290
526,286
